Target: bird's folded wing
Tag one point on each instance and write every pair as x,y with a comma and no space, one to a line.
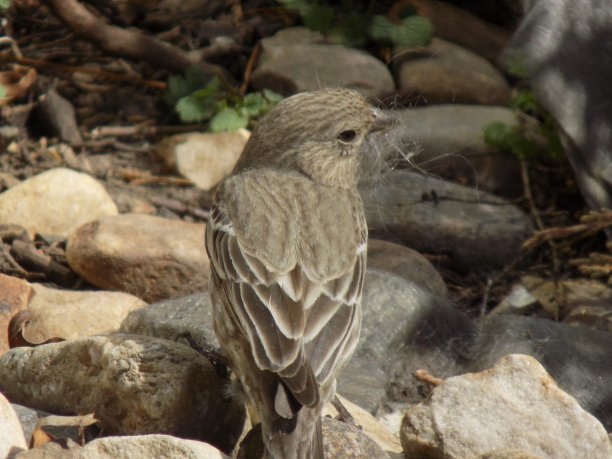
297,327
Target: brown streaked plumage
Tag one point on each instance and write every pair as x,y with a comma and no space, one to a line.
287,243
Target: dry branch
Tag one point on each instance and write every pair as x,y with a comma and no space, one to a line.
126,43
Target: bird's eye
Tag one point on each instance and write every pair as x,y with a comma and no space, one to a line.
347,136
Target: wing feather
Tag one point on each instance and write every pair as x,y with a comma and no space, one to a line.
298,323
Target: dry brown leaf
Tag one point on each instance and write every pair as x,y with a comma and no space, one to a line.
16,83
16,331
40,438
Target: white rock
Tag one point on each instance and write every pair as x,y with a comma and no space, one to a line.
148,447
12,439
55,202
128,447
204,158
514,405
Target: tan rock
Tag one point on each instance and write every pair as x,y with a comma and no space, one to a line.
55,202
514,405
370,425
204,158
134,385
151,257
447,73
132,447
71,314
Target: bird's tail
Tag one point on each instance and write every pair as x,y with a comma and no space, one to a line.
305,441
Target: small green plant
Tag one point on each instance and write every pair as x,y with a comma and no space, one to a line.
359,28
535,135
196,100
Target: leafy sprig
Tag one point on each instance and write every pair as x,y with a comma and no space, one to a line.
196,100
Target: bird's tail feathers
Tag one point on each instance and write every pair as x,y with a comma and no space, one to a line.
305,441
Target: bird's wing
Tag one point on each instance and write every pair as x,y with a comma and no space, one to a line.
298,311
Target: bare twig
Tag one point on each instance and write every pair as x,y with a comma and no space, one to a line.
6,57
127,43
249,68
136,177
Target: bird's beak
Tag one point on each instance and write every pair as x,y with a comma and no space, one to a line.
382,121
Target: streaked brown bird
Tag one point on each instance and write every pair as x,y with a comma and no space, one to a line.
287,242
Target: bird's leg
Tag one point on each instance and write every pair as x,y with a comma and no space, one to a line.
216,359
343,413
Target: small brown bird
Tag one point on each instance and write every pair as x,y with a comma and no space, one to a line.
287,242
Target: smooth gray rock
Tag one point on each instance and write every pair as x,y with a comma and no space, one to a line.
401,299
445,72
171,319
449,143
289,66
474,229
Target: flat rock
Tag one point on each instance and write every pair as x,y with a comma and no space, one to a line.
151,257
203,158
449,143
12,439
133,447
516,405
55,202
71,314
474,229
287,67
464,28
444,73
134,385
15,294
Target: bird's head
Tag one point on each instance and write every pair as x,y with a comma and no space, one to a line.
319,134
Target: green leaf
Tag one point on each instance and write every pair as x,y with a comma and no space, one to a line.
209,90
380,29
4,4
192,109
525,101
255,104
3,91
272,97
413,31
496,135
317,17
228,120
